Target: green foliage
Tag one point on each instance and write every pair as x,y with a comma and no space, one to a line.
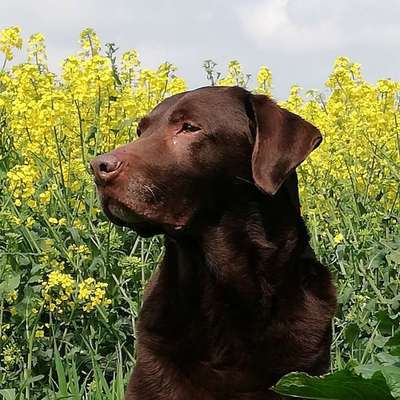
379,379
340,385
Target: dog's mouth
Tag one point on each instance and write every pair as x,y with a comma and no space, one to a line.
119,212
121,215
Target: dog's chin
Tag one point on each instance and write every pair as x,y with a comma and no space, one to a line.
121,215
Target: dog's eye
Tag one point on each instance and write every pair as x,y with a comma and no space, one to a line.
138,132
188,127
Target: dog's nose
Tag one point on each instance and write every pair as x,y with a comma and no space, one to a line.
105,168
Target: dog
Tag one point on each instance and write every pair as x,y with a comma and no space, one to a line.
239,299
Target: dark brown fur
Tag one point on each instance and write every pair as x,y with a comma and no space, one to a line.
239,299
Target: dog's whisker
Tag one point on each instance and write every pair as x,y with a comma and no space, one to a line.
244,180
148,188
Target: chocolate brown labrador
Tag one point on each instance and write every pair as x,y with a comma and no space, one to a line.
239,299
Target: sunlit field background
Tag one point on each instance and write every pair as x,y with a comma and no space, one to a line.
71,283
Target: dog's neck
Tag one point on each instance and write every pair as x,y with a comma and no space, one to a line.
236,250
218,292
236,260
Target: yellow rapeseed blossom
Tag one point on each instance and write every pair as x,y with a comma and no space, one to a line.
92,294
359,122
81,250
338,238
10,38
44,197
90,43
29,222
10,356
39,333
37,49
11,296
235,76
264,80
57,290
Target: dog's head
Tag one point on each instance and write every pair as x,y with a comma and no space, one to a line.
191,148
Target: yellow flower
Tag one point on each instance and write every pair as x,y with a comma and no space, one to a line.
29,222
37,49
10,38
62,221
39,333
31,203
338,238
10,355
57,290
93,294
17,221
44,197
264,79
11,296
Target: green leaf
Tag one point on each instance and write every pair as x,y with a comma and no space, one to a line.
351,333
344,297
394,340
394,256
386,324
8,394
388,359
23,260
9,284
341,385
391,373
61,375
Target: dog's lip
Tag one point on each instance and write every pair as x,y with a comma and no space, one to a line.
121,214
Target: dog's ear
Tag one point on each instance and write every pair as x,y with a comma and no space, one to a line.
283,140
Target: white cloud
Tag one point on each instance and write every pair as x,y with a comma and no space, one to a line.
270,25
269,17
293,25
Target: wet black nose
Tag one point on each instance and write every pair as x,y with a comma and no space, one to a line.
105,168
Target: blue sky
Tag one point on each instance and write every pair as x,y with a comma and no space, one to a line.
298,40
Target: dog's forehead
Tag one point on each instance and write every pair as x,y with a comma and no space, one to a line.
201,101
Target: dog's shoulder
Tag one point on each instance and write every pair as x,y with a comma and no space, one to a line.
316,277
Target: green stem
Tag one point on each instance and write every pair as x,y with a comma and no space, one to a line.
81,132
